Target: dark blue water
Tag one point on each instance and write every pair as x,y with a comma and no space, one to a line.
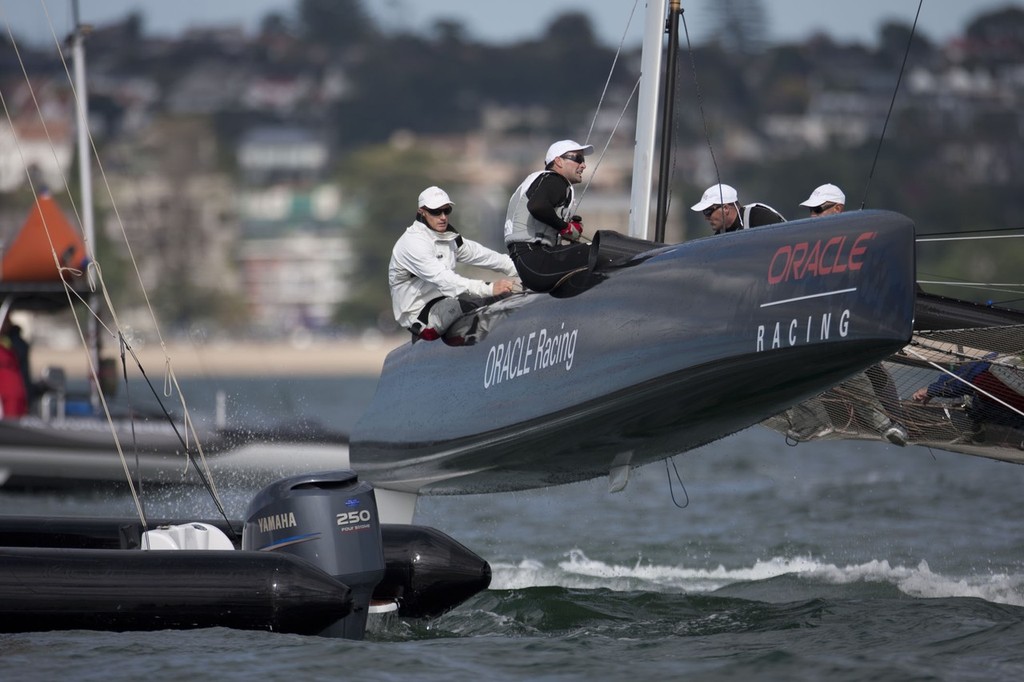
850,561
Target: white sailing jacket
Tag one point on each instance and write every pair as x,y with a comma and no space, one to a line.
422,268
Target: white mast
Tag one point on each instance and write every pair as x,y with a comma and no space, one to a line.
82,118
647,118
85,180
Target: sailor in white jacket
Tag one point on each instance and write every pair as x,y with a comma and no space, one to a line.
427,295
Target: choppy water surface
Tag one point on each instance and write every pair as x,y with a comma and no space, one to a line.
847,560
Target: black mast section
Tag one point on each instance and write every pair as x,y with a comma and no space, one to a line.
667,102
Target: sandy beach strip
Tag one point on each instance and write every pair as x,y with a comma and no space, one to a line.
314,358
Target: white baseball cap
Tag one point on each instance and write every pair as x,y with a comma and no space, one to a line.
825,193
715,195
434,197
564,146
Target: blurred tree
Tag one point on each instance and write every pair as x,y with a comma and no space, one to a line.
134,26
274,24
336,23
997,37
387,179
783,79
450,32
439,82
410,84
740,26
571,31
893,38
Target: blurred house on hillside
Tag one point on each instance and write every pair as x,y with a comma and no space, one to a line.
40,139
281,95
176,208
295,257
282,154
295,252
211,87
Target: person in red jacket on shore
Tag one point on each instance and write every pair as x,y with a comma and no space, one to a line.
13,397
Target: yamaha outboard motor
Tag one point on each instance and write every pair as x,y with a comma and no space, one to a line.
330,519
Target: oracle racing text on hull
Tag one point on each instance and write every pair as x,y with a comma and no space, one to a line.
678,347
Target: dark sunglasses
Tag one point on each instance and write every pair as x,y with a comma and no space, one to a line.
447,210
711,209
578,158
818,210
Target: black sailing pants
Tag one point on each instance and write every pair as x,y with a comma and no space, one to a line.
543,267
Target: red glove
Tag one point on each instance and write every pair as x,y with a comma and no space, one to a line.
573,229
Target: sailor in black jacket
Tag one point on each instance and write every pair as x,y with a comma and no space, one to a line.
721,208
542,231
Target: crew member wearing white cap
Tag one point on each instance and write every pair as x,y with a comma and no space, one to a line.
721,208
826,199
426,293
541,230
861,391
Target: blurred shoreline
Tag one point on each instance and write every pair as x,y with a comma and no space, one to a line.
344,357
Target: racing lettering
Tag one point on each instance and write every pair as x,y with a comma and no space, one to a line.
787,333
823,257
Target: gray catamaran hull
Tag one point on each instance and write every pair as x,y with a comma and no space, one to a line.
675,348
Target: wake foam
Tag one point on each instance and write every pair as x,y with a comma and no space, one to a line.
581,572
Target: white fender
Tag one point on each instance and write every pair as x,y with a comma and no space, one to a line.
193,535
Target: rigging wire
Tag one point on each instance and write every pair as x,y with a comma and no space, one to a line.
892,103
1001,287
604,151
205,477
969,232
61,268
138,465
611,72
909,348
935,237
671,488
600,104
959,351
98,282
969,239
170,377
70,293
972,284
700,104
120,222
988,287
